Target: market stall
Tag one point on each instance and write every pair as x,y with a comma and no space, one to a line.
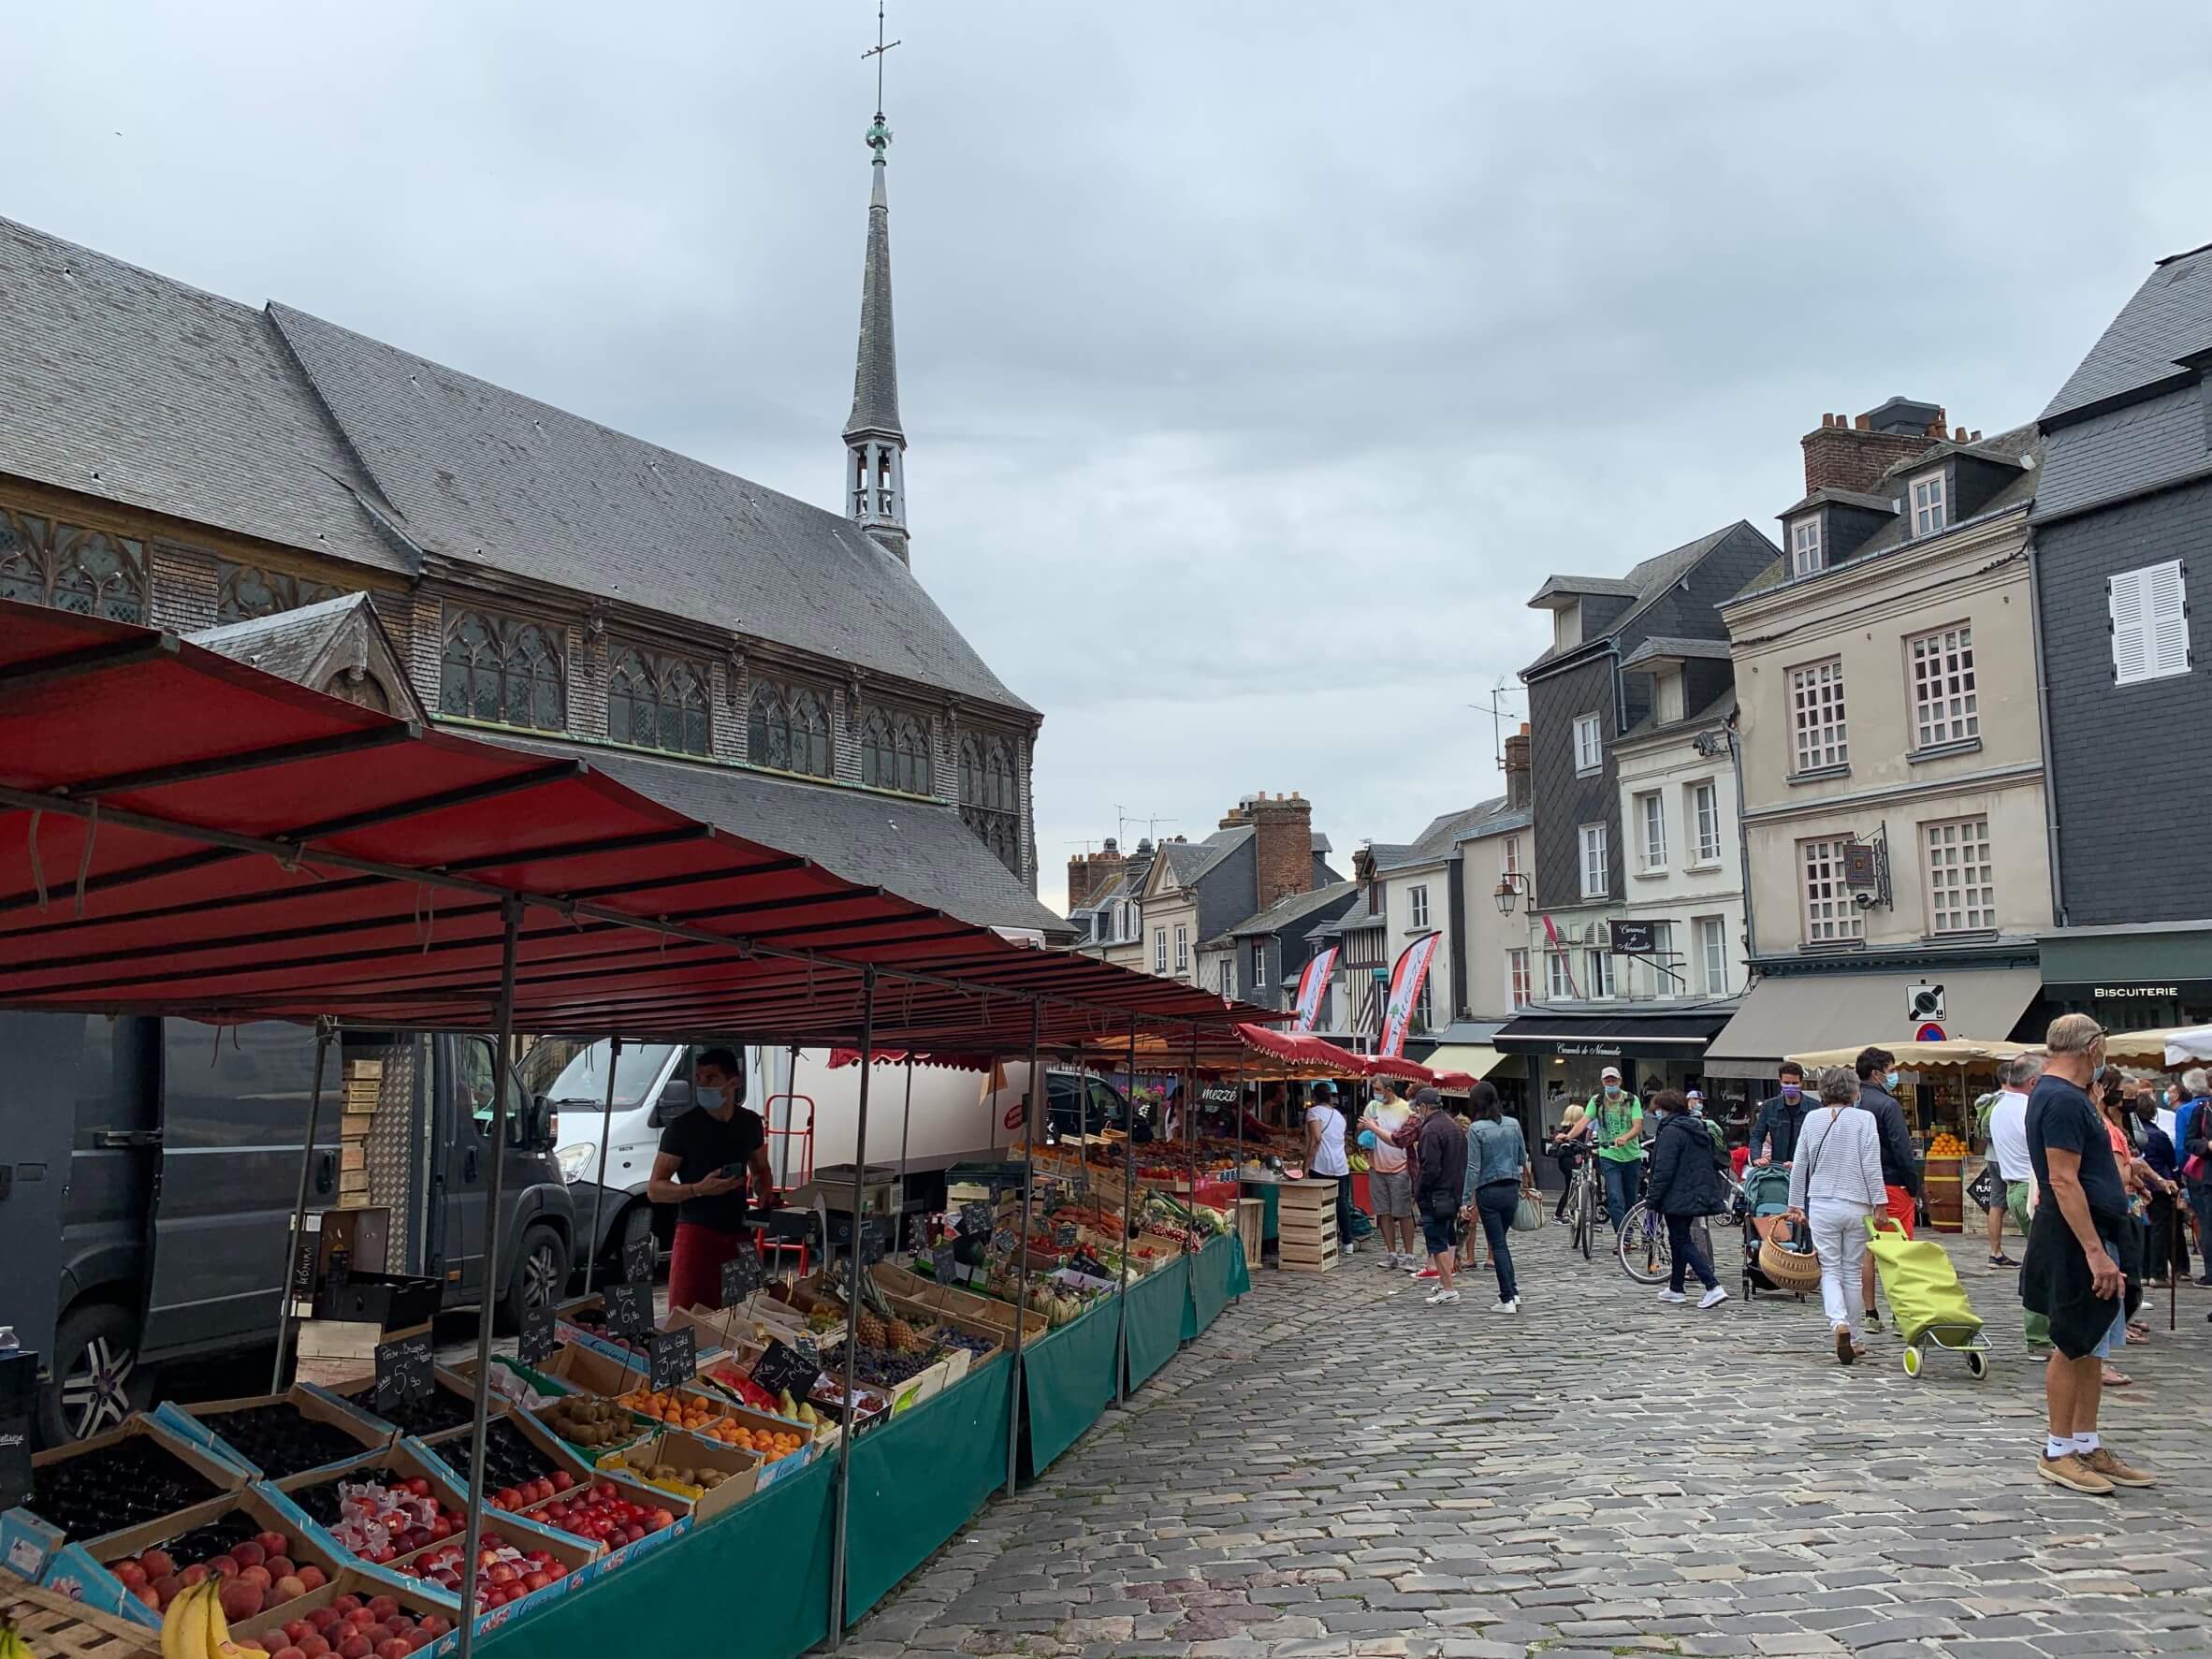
264,853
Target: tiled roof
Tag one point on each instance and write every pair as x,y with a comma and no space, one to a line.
1648,581
1435,842
2170,317
1287,910
1662,645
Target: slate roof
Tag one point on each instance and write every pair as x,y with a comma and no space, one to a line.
492,477
1435,842
1662,645
2123,452
917,849
1575,586
289,642
1186,860
2170,317
1288,909
1648,581
1849,498
136,388
1712,714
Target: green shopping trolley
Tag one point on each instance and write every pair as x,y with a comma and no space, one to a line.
1925,1299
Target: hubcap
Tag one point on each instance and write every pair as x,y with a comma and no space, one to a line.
95,1394
537,1276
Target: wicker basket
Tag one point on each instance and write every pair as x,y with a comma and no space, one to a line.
59,1628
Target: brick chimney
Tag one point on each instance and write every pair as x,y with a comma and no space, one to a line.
1092,873
1517,785
1847,453
1283,844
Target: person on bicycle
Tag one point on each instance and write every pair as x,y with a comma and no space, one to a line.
1568,1148
1686,1187
1614,1127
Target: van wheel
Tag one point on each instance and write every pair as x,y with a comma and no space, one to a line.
539,1277
98,1379
637,1223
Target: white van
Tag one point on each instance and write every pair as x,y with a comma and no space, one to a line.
812,1109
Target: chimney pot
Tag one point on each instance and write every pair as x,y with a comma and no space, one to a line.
1863,424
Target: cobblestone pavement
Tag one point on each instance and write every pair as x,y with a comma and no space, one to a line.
1337,1469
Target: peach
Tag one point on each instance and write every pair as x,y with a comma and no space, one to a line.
312,1576
284,1589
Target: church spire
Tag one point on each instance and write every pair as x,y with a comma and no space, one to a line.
875,446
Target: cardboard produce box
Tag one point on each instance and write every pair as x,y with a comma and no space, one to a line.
197,1423
408,1597
31,1539
452,1401
740,1470
100,1575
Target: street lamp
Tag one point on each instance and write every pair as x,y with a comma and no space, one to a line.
1511,886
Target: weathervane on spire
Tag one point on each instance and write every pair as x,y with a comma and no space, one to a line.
878,134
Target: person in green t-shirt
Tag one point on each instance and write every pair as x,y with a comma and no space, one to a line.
1616,1129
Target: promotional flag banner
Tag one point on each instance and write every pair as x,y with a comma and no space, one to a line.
1566,964
1311,984
1405,989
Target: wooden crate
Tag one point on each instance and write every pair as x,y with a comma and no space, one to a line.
1305,1223
59,1628
1251,1219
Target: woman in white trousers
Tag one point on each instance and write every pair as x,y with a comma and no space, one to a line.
1835,1185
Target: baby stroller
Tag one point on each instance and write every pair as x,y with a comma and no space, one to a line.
1925,1299
1760,1206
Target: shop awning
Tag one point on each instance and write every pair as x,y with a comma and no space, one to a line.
1920,1056
1475,1061
1257,1053
183,834
1800,1013
1550,1031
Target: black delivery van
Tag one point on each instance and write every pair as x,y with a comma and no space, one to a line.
149,1167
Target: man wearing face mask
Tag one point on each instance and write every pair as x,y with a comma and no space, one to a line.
1900,1164
706,1155
1615,1127
1774,1133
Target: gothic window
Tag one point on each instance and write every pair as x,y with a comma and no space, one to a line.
84,571
656,702
894,753
990,804
789,728
501,671
246,592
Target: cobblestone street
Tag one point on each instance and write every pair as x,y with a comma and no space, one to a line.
1336,1468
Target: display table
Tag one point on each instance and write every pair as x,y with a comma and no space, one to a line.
1067,1379
1157,1303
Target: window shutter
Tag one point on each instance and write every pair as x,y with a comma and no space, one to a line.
2125,594
2166,618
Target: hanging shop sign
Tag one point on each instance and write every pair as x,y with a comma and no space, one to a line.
1595,1050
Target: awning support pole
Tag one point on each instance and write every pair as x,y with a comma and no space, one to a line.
906,1141
1128,1211
1030,1122
503,1021
325,1032
853,1268
607,1129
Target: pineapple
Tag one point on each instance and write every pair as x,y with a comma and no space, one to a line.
873,1333
902,1337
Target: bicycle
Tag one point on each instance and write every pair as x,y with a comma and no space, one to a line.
1646,1253
1585,1202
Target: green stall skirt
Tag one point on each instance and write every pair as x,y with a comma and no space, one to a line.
1217,1277
1067,1379
753,1583
1156,1318
919,1478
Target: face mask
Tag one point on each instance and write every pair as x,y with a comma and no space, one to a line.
710,1099
1612,1089
1790,1091
1890,1080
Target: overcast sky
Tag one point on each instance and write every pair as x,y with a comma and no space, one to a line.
1256,360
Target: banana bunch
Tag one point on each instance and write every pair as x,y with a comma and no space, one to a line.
193,1627
13,1645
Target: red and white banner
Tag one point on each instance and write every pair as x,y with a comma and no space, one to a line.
1566,966
1405,990
1312,983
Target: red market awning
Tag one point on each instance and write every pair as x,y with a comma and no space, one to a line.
182,833
1395,1065
839,1057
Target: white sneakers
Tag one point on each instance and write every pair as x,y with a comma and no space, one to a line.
1442,1296
1506,1307
1672,1295
1712,1298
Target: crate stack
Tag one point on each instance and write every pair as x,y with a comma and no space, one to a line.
1306,1241
364,1092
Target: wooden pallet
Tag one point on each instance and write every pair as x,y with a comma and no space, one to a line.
59,1628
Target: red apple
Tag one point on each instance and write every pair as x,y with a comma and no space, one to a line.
534,1580
249,1553
311,1577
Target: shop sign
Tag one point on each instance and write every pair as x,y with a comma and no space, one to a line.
1609,1051
1634,939
2133,991
1219,1093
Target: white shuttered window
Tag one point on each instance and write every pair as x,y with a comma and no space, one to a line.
2150,622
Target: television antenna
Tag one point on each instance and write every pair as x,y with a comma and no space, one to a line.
1499,715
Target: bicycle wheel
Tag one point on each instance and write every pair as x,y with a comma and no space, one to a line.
1642,1247
1585,1224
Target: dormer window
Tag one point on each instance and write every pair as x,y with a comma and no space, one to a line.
1805,545
1929,504
1566,627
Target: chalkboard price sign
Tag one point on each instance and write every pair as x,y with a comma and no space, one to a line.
672,1356
629,1308
404,1370
1064,1235
943,1266
19,1389
871,1241
535,1341
742,1274
637,1260
975,1218
781,1369
1083,1262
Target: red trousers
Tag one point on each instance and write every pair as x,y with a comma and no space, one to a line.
695,1264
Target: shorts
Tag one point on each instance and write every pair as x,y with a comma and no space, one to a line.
1390,1192
1999,1189
1436,1233
1900,1207
2116,1337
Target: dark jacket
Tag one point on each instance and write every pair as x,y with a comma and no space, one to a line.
2157,1148
1900,1165
1441,1153
1685,1176
1781,1120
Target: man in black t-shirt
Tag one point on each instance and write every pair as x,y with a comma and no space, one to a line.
706,1156
2071,1274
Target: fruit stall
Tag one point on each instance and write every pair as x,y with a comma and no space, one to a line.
264,852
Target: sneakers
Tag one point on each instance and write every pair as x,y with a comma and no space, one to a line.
1442,1296
1674,1296
1872,1316
1422,1272
1712,1298
2105,1463
1514,1307
2073,1475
